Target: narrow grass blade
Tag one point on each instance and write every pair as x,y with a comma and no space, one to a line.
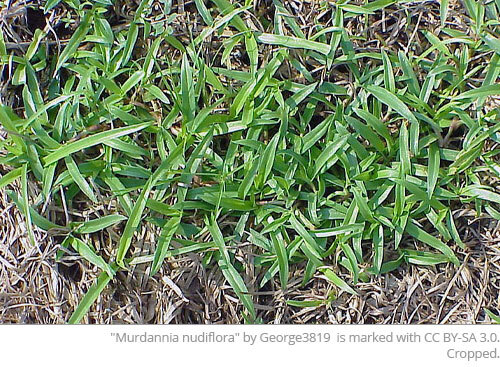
433,168
310,244
75,40
409,74
136,215
204,12
481,92
316,134
79,179
166,236
37,219
187,90
26,205
481,193
378,247
443,11
266,163
230,273
89,298
282,256
389,81
494,317
329,152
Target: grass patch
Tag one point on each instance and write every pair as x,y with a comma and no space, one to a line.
310,152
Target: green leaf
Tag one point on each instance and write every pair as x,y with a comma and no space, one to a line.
343,229
378,247
443,11
336,280
426,238
315,134
95,225
26,206
166,236
89,298
50,4
75,40
204,12
91,141
366,132
329,152
136,215
230,273
37,219
88,254
481,193
267,161
311,247
79,179
409,74
485,91
305,303
492,42
434,163
494,317
132,81
392,101
187,90
293,42
362,204
282,256
389,81
10,177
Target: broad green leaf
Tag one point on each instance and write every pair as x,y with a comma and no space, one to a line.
293,42
92,140
95,225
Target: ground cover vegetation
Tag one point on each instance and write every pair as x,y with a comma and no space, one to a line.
276,152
